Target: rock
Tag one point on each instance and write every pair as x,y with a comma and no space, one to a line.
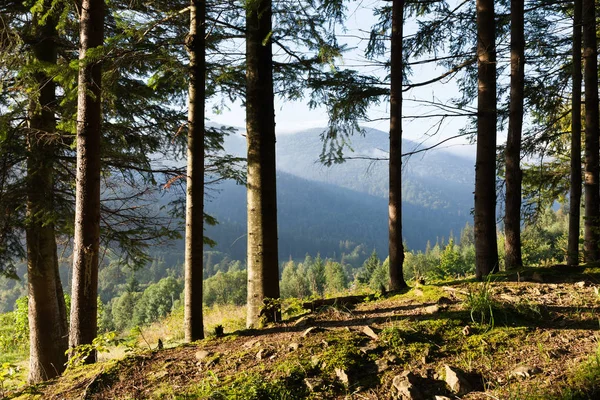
293,346
418,292
581,284
524,371
201,355
313,384
263,353
342,376
457,380
367,330
382,365
405,384
368,348
431,309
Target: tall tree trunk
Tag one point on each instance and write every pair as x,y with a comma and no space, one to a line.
575,193
47,315
396,247
194,225
263,265
592,196
84,305
486,248
512,219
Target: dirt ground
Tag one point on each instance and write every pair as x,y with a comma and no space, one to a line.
542,330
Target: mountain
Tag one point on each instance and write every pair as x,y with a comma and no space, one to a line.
435,179
325,209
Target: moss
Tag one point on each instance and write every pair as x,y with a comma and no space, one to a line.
343,351
423,293
250,386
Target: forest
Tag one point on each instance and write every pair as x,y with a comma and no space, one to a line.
110,160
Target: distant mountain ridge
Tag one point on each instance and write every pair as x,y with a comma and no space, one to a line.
319,207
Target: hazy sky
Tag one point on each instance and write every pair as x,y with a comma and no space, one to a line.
296,116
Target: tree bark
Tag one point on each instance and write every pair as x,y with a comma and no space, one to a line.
84,307
396,247
512,219
592,196
575,192
47,315
194,232
263,265
486,248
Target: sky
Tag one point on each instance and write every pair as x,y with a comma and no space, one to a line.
293,117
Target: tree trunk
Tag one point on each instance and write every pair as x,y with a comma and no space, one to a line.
592,196
575,193
512,219
84,307
396,247
194,225
47,314
486,248
263,265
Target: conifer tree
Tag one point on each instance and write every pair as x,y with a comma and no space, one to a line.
512,219
262,262
396,247
194,236
47,312
485,168
84,307
592,134
575,187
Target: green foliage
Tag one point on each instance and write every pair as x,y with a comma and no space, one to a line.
100,344
336,280
315,274
226,288
381,276
294,281
482,305
451,262
8,374
157,301
368,268
585,382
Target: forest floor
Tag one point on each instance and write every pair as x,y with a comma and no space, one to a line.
527,335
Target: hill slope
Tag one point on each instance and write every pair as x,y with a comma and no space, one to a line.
316,217
319,207
537,348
